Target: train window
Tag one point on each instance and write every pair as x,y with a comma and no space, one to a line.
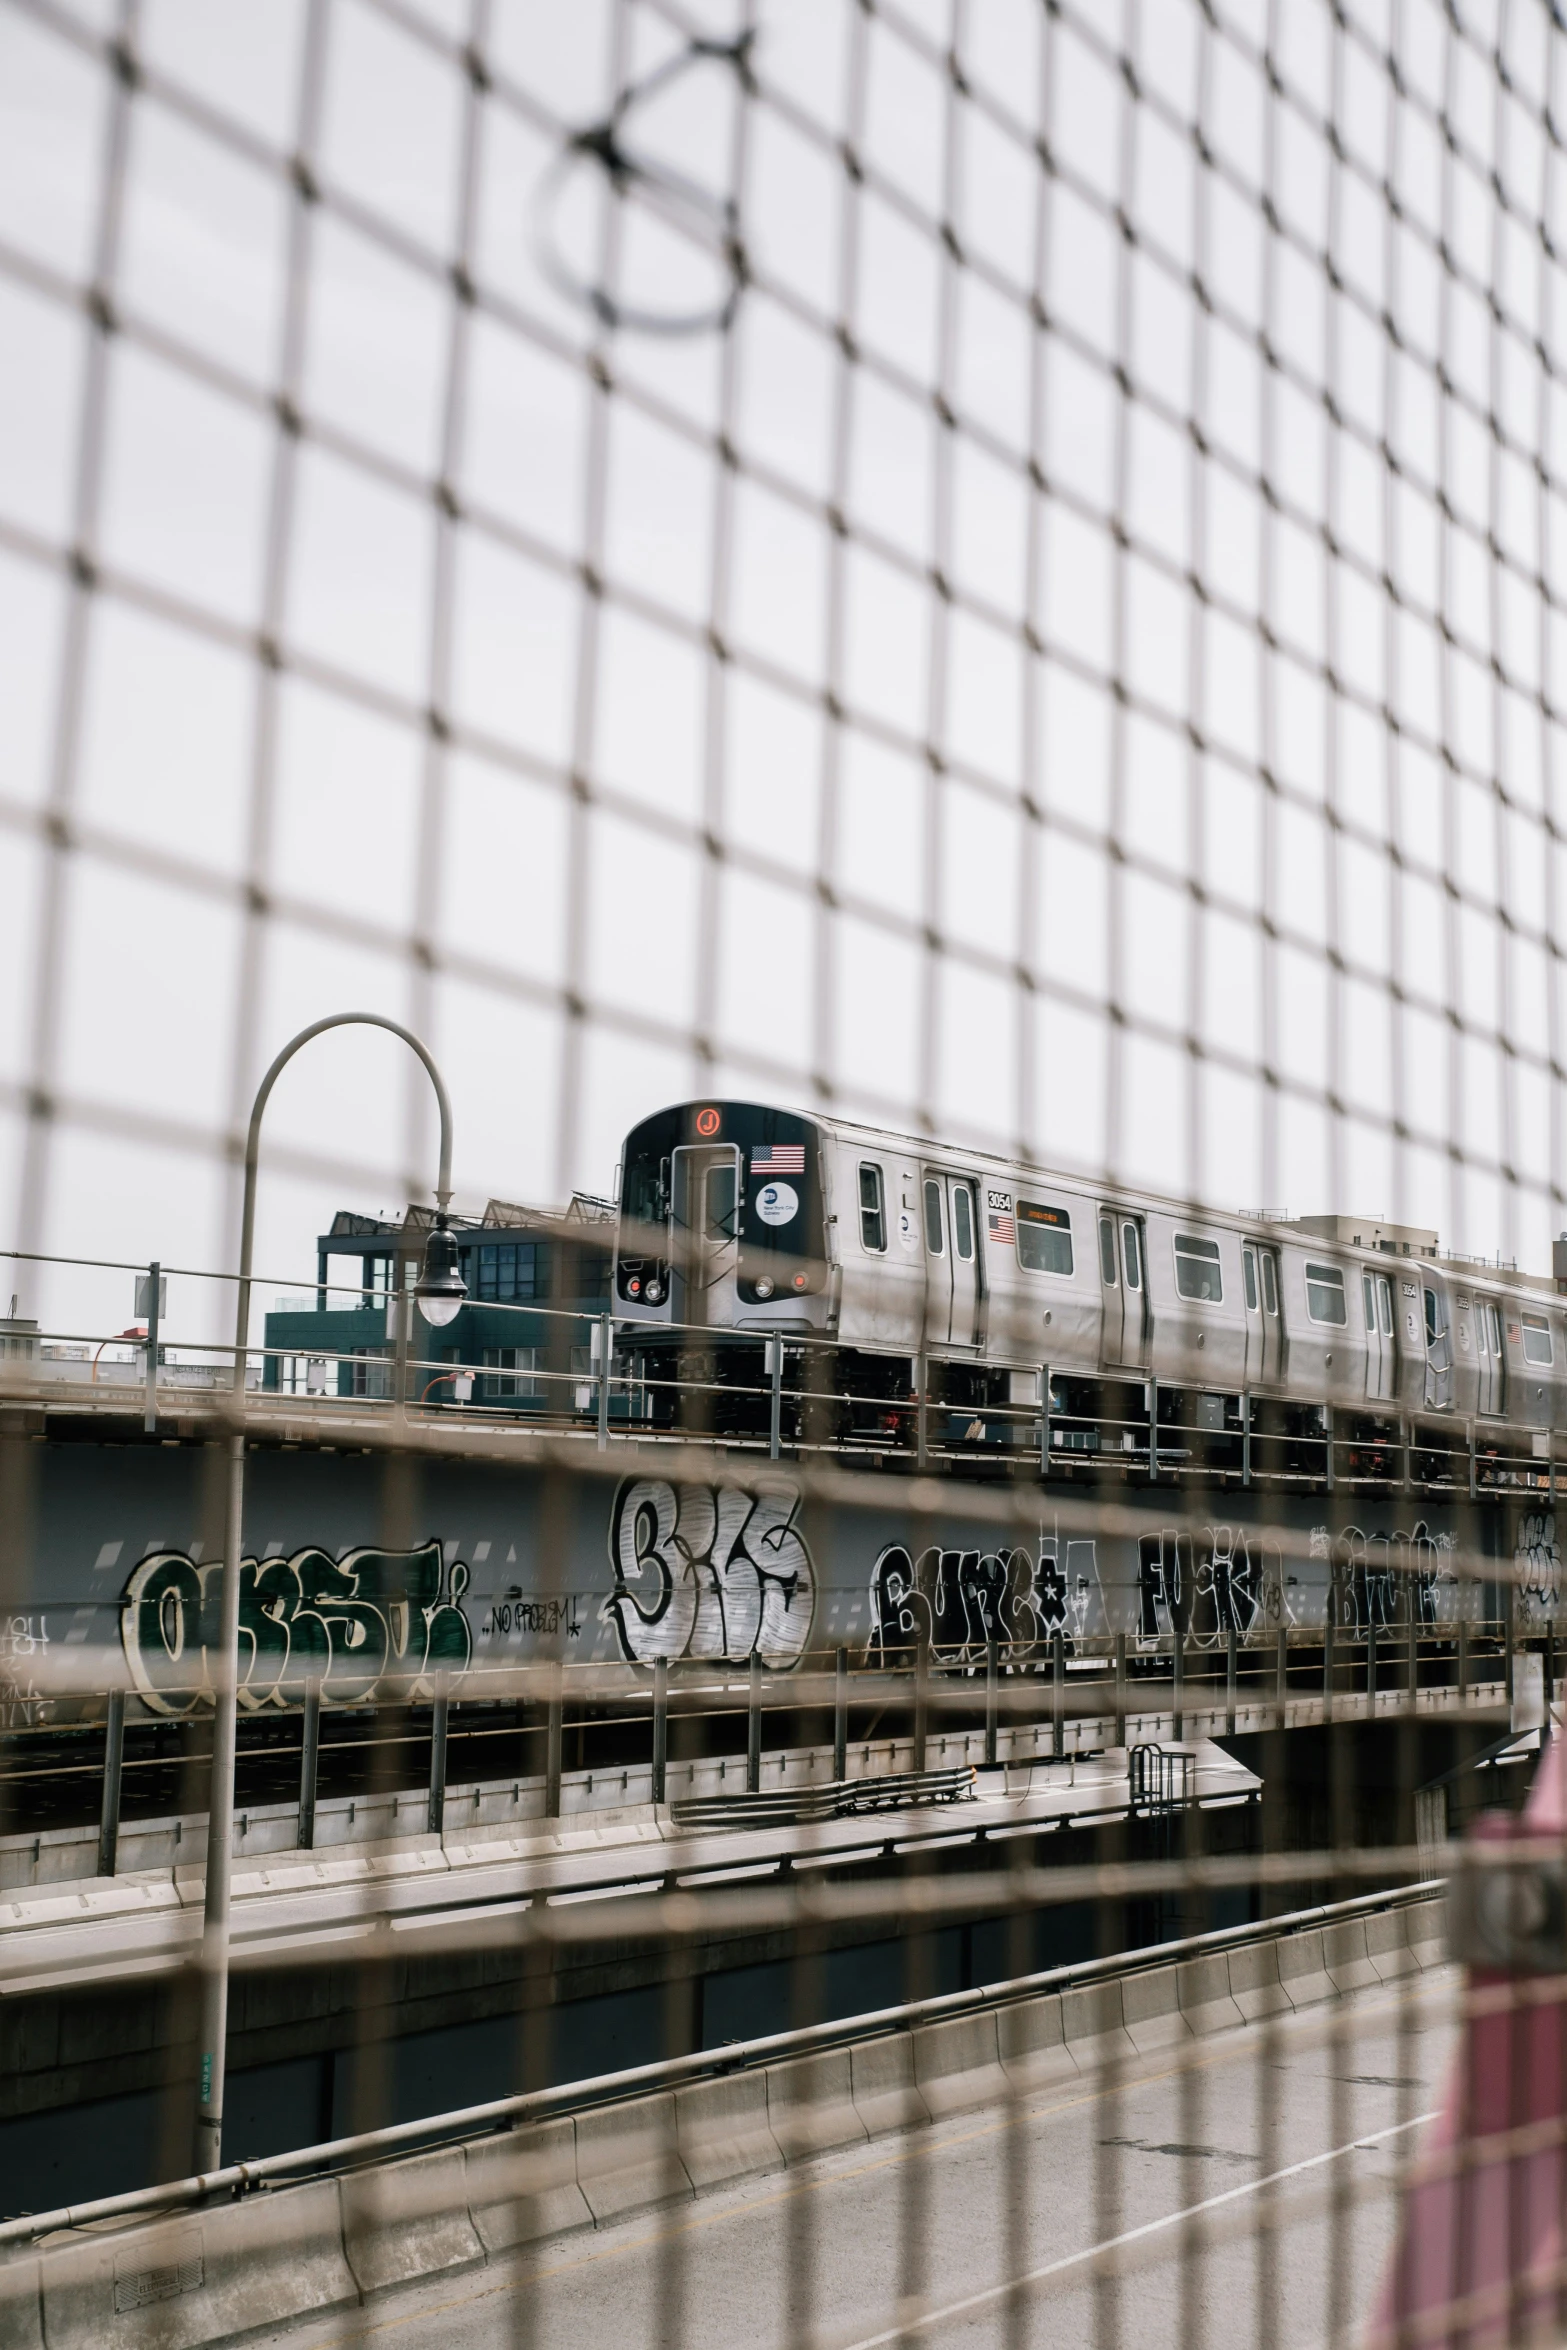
1325,1295
1368,1292
933,1239
1249,1269
1493,1316
1132,1256
1270,1283
1197,1273
1044,1237
873,1219
1384,1305
963,1221
1537,1346
1107,1251
1432,1324
1482,1330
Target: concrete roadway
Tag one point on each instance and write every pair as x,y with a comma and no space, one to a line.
1295,2122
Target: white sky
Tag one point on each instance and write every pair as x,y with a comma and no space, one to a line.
758,856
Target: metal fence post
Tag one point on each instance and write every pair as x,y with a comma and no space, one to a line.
1549,1663
775,1372
922,1413
1120,1688
921,1670
1232,1674
605,1337
554,1729
1044,1420
1371,1668
1463,1643
1246,1437
438,1713
1412,1653
753,1727
661,1724
992,1688
1327,1666
1058,1695
150,1414
840,1716
309,1757
113,1761
1281,1694
1178,1684
1508,1635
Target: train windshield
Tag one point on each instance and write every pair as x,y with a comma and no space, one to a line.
763,1186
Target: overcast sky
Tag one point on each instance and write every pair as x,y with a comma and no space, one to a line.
949,668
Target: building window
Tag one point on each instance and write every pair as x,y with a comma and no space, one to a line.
873,1220
511,1374
1537,1346
509,1272
1325,1295
1044,1237
1197,1273
372,1375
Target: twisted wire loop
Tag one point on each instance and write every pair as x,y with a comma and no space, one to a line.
693,213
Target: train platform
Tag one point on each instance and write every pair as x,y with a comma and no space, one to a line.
408,1894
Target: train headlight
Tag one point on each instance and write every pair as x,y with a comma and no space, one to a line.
799,1281
764,1287
655,1293
633,1287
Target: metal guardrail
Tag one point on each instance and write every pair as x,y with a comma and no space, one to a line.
838,1799
374,2146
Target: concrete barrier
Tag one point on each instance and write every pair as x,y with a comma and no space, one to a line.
628,2157
722,2129
183,2283
257,2260
408,2219
1345,1956
1206,1999
1255,1985
886,2094
522,2185
1094,2026
1303,1969
1151,2010
810,2104
957,2064
21,2304
1031,2037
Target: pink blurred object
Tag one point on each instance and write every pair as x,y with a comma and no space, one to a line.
1481,2229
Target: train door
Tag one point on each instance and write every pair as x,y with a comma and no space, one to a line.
1376,1292
1264,1318
705,1228
952,1275
1122,1282
1488,1346
1439,1352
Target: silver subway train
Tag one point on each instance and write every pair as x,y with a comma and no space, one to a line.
738,1220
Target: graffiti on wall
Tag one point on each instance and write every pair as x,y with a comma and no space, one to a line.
374,1624
954,1603
22,1704
1374,1577
1537,1564
1205,1586
709,1571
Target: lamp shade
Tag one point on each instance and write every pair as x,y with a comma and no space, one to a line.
441,1289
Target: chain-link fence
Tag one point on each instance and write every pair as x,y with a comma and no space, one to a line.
987,572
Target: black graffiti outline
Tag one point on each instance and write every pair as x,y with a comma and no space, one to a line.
709,1571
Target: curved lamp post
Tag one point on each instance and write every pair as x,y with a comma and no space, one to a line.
440,1292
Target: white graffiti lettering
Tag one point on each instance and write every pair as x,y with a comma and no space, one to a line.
709,1571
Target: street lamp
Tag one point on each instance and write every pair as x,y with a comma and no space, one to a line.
440,1292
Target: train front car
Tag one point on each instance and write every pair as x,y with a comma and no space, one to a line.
722,1239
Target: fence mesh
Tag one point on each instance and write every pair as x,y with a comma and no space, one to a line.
990,567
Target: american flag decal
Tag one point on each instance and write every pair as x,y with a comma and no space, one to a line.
778,1158
1003,1230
